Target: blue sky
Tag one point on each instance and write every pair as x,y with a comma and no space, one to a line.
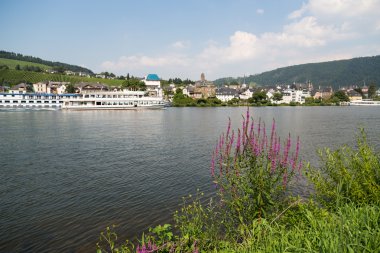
176,38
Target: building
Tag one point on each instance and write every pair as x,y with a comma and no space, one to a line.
225,94
19,88
246,94
40,87
152,81
90,87
324,93
204,88
354,95
292,95
50,87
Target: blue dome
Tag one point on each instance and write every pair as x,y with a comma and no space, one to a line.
152,77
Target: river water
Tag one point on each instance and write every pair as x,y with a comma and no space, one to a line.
67,175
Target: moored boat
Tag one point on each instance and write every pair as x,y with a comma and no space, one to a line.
113,100
33,100
368,102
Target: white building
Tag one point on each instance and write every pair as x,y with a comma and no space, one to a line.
225,94
152,81
40,87
246,94
292,95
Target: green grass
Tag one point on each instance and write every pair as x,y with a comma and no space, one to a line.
14,77
12,63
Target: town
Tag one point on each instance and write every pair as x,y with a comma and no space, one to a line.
204,92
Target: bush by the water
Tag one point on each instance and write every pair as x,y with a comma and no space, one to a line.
253,209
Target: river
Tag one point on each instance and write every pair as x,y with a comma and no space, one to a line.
67,175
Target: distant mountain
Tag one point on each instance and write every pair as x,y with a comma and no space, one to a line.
356,71
65,66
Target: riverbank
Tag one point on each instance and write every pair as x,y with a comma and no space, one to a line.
253,209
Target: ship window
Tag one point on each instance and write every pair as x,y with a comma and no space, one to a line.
54,102
23,101
7,101
46,102
98,103
15,101
39,102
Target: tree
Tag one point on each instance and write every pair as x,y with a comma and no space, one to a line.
259,96
178,91
277,96
18,67
371,91
341,96
359,90
134,84
70,88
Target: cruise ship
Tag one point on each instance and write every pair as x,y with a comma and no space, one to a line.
368,102
113,100
33,100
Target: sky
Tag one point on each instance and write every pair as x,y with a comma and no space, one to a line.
178,38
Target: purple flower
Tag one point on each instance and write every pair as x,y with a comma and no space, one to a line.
228,128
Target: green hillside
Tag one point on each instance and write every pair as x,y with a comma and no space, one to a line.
13,63
341,73
12,77
27,58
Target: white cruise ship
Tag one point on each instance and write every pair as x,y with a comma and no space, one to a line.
113,100
33,100
369,102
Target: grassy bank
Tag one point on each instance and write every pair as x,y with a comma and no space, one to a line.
253,209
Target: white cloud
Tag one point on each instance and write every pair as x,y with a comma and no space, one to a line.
180,44
260,11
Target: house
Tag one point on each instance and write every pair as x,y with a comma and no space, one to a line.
225,94
100,76
324,93
40,87
19,88
354,95
90,87
246,94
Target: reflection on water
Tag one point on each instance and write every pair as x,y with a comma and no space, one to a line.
67,175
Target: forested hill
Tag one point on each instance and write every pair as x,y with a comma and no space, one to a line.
20,57
356,71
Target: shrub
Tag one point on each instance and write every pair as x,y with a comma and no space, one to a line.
347,175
